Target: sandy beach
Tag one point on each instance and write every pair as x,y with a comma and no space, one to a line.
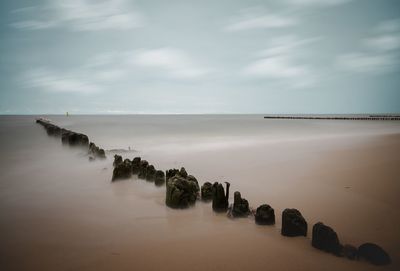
58,211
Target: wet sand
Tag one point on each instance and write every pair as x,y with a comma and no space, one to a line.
60,212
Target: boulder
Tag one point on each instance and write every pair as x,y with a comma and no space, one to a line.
143,169
160,178
293,223
151,173
122,170
171,173
265,215
240,206
220,200
181,192
373,254
117,160
74,139
136,165
96,152
350,252
326,239
191,178
183,172
206,191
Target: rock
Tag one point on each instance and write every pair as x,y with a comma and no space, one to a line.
171,173
183,172
373,254
117,160
96,152
53,130
150,173
326,239
160,178
122,170
143,169
74,139
206,191
240,206
181,192
220,200
350,252
191,178
136,165
265,215
293,223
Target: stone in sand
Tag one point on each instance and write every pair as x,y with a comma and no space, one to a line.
350,252
326,239
220,200
122,170
143,169
293,223
150,173
181,192
117,160
183,172
160,178
96,152
240,206
136,165
206,191
265,215
373,254
171,173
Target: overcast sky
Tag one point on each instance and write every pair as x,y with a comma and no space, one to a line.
225,56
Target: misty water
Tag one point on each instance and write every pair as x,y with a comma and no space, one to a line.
61,212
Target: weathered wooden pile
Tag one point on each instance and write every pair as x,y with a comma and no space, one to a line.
72,139
182,191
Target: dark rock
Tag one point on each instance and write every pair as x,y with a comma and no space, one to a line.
191,178
373,254
326,239
151,173
117,160
143,169
220,200
293,223
350,252
74,139
265,215
136,165
160,178
171,173
96,152
206,191
240,206
183,172
122,170
181,192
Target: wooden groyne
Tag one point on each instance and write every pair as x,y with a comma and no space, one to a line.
183,190
370,117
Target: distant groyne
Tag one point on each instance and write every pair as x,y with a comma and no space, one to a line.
367,117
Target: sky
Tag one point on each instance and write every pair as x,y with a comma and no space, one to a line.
199,57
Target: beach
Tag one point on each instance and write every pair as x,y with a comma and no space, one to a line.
58,211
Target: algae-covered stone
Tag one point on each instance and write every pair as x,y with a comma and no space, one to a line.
265,215
143,169
122,170
240,206
220,200
293,223
181,192
206,191
326,239
117,160
136,165
160,178
150,173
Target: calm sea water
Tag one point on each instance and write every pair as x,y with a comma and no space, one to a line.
58,211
